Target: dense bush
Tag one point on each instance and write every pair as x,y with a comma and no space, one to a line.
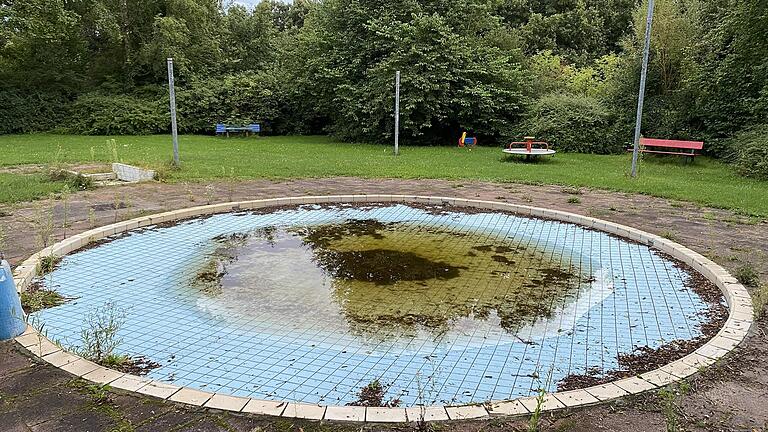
99,114
571,123
241,98
22,112
751,149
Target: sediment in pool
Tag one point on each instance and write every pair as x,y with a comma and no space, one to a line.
394,279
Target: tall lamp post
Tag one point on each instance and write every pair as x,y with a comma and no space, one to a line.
397,113
641,95
174,129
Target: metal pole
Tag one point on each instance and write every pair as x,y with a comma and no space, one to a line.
174,129
641,95
397,113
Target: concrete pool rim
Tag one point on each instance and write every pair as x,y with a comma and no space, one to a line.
730,335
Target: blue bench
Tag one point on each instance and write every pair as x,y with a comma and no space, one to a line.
222,129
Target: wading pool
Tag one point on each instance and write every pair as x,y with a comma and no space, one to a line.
441,304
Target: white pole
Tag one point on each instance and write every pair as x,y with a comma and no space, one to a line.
641,95
397,113
174,129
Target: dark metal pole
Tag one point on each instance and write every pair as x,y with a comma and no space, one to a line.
174,129
641,95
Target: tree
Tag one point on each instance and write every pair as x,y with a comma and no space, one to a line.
41,46
729,66
248,40
188,31
457,73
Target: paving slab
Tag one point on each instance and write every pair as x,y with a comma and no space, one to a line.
191,396
711,351
60,358
345,413
606,391
256,406
426,413
466,412
634,385
698,361
659,378
550,403
43,348
304,411
130,383
576,398
385,415
103,375
514,407
158,389
80,367
226,402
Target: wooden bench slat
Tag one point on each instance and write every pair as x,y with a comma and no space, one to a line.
654,142
667,152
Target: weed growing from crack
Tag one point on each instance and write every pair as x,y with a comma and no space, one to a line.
48,264
669,235
91,217
99,337
670,404
372,395
43,221
533,422
112,150
210,194
117,202
39,299
571,191
190,194
541,398
115,361
65,193
425,397
747,275
99,393
760,300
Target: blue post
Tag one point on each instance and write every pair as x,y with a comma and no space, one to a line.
12,322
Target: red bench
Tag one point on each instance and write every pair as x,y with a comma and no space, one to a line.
670,147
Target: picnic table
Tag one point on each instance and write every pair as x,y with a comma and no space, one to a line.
222,129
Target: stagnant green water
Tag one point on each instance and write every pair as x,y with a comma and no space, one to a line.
384,280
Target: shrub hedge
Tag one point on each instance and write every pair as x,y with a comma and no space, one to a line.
751,150
572,123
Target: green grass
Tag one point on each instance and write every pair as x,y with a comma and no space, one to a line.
18,188
707,182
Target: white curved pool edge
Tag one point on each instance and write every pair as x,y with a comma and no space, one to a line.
733,332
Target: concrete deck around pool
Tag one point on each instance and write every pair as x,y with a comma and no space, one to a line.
733,332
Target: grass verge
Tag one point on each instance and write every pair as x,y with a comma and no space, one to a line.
204,158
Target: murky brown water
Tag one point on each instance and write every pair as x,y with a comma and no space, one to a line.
382,280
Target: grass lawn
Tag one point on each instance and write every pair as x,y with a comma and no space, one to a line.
205,158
